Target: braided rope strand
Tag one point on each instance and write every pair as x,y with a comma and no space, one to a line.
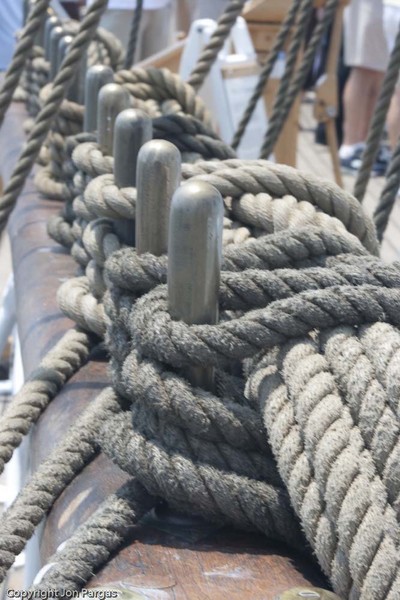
134,35
210,52
45,117
58,366
75,451
279,116
266,72
24,46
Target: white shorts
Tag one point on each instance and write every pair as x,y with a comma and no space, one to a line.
365,43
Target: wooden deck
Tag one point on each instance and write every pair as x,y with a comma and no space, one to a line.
314,158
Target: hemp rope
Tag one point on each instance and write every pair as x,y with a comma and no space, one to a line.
378,121
235,457
275,122
388,195
281,112
73,453
35,19
210,53
152,386
42,386
48,112
134,35
266,71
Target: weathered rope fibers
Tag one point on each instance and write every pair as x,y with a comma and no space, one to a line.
47,114
266,71
35,19
281,112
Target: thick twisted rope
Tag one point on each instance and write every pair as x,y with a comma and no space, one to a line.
281,112
97,539
217,40
322,437
134,35
266,71
75,451
48,112
236,177
43,385
25,44
209,456
378,121
388,195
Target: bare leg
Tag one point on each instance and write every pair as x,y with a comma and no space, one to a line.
393,119
360,96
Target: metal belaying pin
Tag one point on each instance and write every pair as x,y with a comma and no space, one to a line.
55,37
133,128
50,24
96,77
113,98
307,593
158,176
194,261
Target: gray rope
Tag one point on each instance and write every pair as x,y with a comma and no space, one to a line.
134,35
338,458
35,19
95,541
42,386
388,195
217,40
48,112
378,121
281,112
266,71
75,451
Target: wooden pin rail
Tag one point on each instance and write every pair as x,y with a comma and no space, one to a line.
164,559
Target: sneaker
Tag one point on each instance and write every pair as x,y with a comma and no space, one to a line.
382,161
352,163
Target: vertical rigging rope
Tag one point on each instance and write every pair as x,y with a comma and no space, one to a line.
134,35
26,41
278,118
266,71
378,121
47,114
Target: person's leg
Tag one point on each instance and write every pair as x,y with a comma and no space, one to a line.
392,22
393,119
366,52
359,100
